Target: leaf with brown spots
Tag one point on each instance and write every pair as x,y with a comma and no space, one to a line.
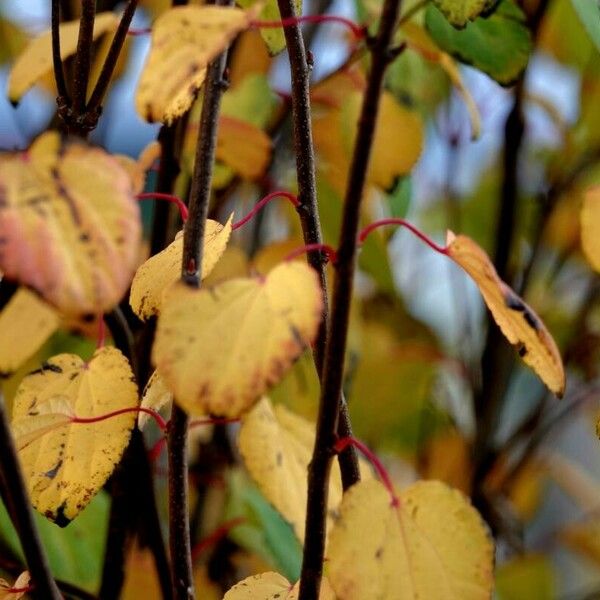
517,321
219,349
26,322
272,586
185,39
162,270
277,447
432,545
69,224
65,463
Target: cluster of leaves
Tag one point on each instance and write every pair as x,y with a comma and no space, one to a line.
238,347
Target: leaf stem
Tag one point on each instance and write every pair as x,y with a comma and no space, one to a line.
110,63
362,236
357,30
83,59
162,424
333,372
183,209
59,73
216,535
326,249
19,508
262,203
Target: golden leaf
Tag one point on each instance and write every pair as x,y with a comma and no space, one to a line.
69,224
36,59
185,39
590,227
277,447
162,270
517,321
272,586
25,324
433,545
156,396
66,463
219,349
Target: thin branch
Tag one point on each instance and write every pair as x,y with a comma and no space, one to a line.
179,527
59,73
83,59
309,210
95,103
19,508
333,372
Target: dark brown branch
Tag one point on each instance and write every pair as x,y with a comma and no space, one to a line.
94,105
83,58
59,73
309,210
19,508
333,372
193,239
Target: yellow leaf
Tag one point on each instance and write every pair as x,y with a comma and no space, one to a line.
69,224
526,575
185,39
21,583
219,349
277,447
233,263
141,578
66,463
590,227
162,270
36,60
433,545
137,168
518,322
272,586
271,255
156,396
243,146
25,324
583,538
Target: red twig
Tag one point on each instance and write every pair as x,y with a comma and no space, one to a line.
325,248
343,443
215,536
162,424
262,203
358,30
367,230
183,211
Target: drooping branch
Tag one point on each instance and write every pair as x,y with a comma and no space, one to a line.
193,239
19,508
333,372
309,211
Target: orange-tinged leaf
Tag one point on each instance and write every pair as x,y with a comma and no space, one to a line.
21,583
583,538
36,59
162,270
243,146
276,446
590,227
219,349
69,224
26,322
65,463
518,322
433,545
185,39
272,586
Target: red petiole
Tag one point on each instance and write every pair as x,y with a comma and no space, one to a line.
325,248
262,203
162,424
183,211
343,443
215,536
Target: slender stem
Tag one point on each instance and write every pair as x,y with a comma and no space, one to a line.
358,31
112,57
262,203
179,528
183,210
19,507
362,236
162,424
83,57
309,210
333,372
216,535
59,73
326,249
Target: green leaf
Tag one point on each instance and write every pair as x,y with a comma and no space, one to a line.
588,12
517,578
460,12
264,532
498,45
75,553
399,198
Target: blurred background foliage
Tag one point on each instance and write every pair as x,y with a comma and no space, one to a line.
419,329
